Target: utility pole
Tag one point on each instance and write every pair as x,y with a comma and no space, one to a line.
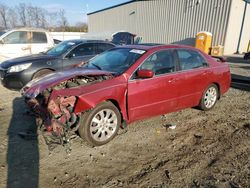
242,25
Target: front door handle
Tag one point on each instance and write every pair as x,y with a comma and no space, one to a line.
172,80
204,73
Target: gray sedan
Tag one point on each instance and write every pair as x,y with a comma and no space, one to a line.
15,73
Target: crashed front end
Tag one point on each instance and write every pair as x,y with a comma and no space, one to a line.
54,104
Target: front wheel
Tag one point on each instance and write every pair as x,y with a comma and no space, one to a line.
100,125
209,98
41,73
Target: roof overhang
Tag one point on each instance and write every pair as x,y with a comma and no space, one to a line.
128,2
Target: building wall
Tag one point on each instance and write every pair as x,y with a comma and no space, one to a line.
112,20
168,21
234,25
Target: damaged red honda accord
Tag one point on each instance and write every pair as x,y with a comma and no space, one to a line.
123,85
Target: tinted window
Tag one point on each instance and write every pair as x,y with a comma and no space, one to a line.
83,50
17,37
190,59
160,62
39,37
101,47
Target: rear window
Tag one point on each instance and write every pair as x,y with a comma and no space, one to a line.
190,59
39,37
102,47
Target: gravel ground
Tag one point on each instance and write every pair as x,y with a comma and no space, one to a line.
190,148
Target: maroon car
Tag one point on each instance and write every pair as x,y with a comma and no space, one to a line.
123,85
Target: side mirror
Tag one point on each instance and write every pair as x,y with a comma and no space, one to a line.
1,41
145,73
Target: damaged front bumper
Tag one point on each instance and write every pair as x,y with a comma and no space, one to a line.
56,120
54,107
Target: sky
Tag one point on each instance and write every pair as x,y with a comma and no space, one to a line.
76,10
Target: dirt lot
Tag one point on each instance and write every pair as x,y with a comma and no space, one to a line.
206,149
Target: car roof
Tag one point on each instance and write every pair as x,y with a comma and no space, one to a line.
78,41
151,46
28,29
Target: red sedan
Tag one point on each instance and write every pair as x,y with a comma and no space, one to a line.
123,85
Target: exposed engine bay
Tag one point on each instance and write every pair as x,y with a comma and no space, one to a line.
55,113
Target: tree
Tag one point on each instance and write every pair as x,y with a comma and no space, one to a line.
27,15
3,14
13,21
82,26
36,17
22,11
63,22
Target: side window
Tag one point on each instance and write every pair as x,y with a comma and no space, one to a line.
39,37
190,59
102,47
82,50
17,37
161,62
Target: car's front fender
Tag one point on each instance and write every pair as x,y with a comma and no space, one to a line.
115,93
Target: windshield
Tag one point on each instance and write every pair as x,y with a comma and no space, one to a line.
116,60
61,48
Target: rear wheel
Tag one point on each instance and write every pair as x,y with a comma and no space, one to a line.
247,55
209,97
42,73
100,125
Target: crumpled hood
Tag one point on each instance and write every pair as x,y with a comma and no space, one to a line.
26,59
34,87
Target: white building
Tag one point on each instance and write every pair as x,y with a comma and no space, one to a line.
177,21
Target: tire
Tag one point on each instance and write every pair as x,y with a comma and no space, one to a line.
41,73
96,127
209,97
247,55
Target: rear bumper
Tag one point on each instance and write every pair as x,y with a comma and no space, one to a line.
226,82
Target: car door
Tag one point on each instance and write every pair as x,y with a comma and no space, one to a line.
15,44
194,77
81,53
156,95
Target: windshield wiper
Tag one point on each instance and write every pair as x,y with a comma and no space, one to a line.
97,66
